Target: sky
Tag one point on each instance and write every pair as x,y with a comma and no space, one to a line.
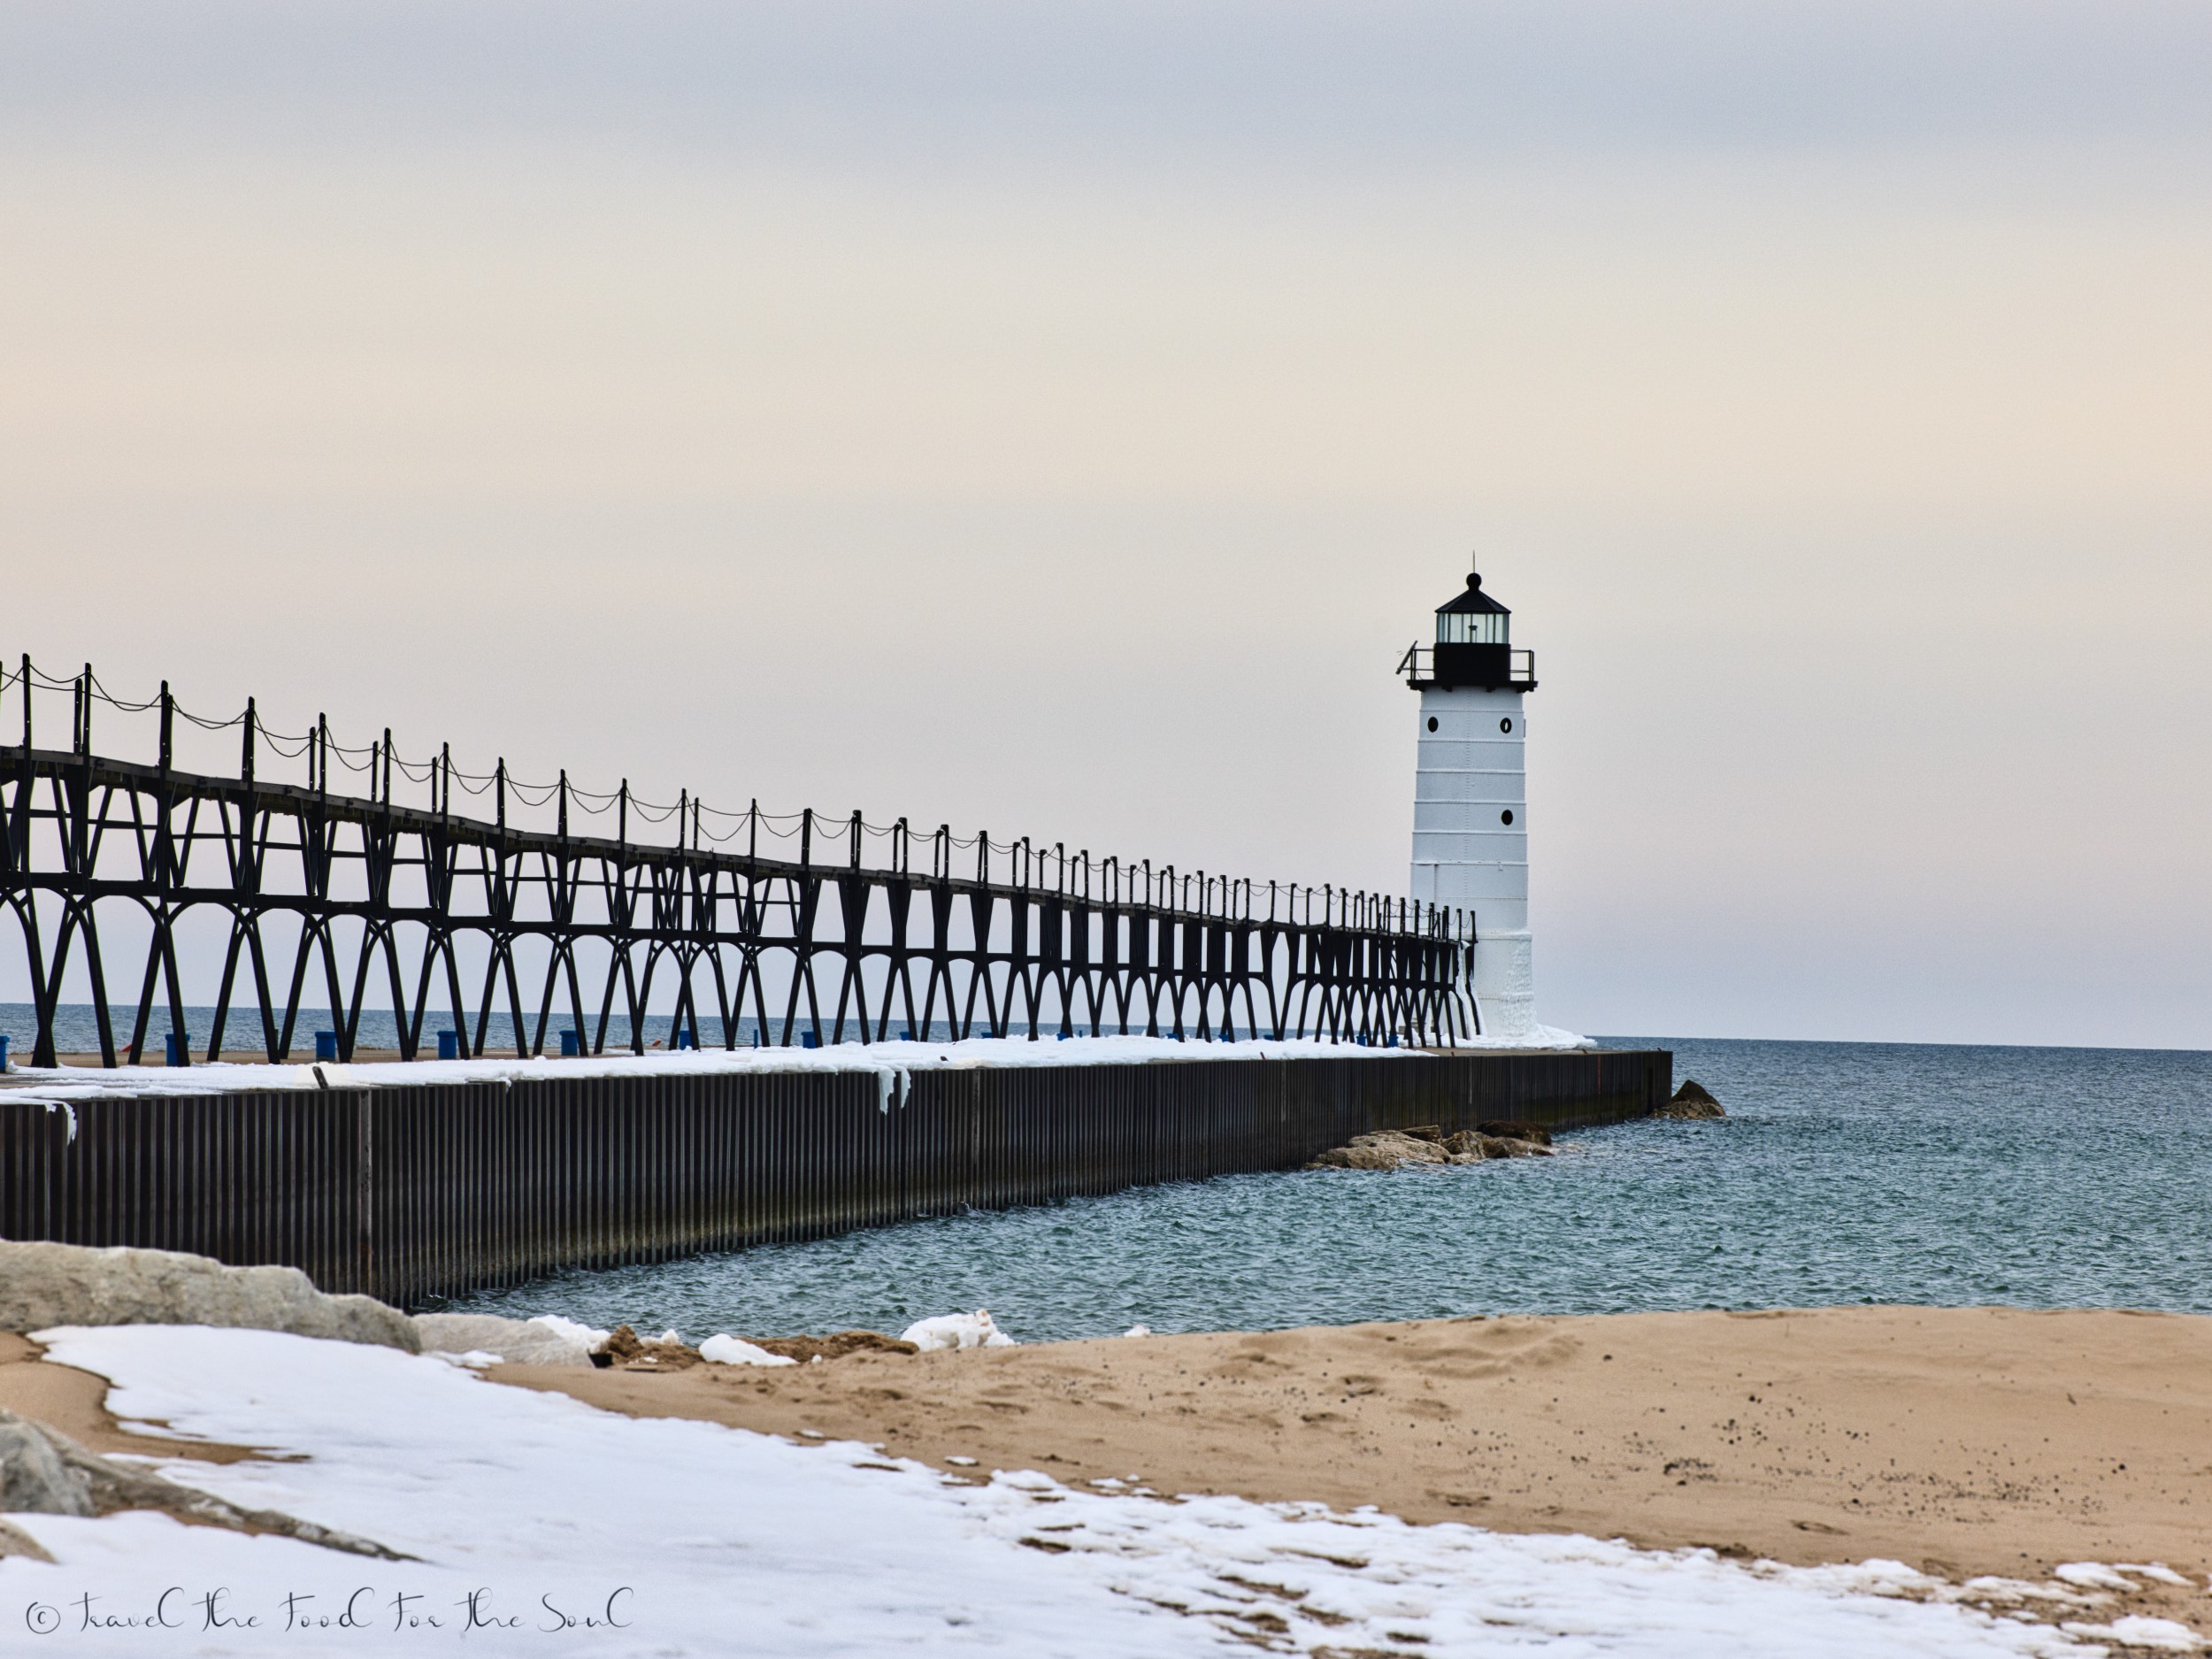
1058,419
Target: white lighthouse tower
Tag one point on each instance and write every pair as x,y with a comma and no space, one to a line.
1471,798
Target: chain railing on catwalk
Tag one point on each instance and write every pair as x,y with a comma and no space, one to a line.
366,878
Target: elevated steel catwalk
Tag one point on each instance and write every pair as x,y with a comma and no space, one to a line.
343,891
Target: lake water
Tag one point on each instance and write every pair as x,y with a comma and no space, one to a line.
1845,1173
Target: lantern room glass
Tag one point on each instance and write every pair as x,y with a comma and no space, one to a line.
1471,627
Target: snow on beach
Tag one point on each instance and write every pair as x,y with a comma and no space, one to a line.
892,1063
602,1534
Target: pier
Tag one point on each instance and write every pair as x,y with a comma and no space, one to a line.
409,1191
1269,1021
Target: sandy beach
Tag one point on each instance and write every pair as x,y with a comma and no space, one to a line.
1962,1441
2021,1466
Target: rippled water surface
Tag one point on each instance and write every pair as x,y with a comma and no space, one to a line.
1845,1173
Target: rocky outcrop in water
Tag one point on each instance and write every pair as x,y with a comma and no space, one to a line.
45,1285
1384,1150
1510,1145
1397,1148
1691,1101
1536,1134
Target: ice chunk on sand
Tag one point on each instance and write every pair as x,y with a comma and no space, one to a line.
723,1349
587,1337
2161,1635
2157,1569
957,1330
2092,1575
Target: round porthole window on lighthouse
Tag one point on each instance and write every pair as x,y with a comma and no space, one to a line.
1505,725
1432,723
1506,817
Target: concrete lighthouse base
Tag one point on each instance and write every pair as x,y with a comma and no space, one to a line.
1504,984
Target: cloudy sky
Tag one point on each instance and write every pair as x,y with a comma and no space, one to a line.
1058,418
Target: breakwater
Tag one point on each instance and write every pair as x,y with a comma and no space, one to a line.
408,1191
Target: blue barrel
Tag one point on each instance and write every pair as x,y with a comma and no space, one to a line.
176,1042
810,1039
570,1047
683,1041
3,1051
325,1045
449,1045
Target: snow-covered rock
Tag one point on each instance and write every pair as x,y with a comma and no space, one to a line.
44,1284
548,1340
35,1478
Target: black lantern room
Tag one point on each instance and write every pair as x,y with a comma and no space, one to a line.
1474,644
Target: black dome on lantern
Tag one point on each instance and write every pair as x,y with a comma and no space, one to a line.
1472,600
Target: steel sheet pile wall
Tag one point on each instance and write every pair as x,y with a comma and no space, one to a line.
413,1192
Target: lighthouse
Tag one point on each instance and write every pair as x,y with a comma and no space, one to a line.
1471,797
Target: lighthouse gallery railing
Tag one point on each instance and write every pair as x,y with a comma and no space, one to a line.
142,878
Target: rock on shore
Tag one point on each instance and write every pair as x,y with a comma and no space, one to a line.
43,1472
626,1350
544,1341
44,1284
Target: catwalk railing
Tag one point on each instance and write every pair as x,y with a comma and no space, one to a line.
143,876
